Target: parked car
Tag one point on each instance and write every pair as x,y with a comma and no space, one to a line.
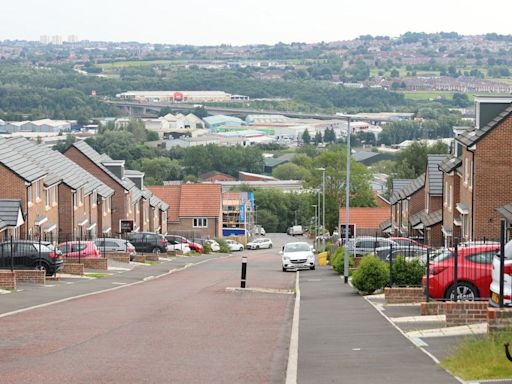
79,249
363,245
180,239
234,245
507,278
214,246
260,243
28,254
295,256
259,230
405,241
112,244
174,244
147,241
409,252
474,273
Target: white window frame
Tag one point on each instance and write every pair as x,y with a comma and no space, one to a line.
200,222
450,198
94,198
466,171
54,195
75,199
446,195
37,187
47,199
471,174
29,194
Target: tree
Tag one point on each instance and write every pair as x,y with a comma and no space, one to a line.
329,135
306,138
394,73
291,171
411,161
62,146
200,112
318,138
159,169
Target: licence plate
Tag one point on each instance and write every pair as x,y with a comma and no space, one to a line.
495,297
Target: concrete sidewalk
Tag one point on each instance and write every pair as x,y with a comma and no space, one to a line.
343,339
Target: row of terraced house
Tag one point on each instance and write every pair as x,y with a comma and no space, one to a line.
463,195
79,194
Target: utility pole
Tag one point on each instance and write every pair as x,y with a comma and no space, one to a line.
347,204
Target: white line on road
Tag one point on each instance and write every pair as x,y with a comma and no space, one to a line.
293,355
118,283
103,290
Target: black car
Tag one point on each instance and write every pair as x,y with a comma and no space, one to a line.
30,254
148,241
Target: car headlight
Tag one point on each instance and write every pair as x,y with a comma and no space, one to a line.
286,258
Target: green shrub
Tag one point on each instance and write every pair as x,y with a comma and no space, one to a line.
371,275
407,272
207,248
337,260
224,248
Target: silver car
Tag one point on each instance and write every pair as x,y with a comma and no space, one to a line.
363,245
112,244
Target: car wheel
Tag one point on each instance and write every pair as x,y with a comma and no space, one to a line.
312,268
284,269
257,247
156,250
42,267
465,291
270,246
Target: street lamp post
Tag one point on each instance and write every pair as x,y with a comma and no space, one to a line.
347,204
316,222
323,200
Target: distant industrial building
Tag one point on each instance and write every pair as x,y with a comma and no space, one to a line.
180,96
39,126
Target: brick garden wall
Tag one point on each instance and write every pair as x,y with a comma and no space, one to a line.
7,280
465,312
30,276
499,319
403,295
95,263
73,268
432,308
118,256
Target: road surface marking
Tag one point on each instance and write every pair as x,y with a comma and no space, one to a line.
117,283
261,290
293,355
101,291
148,278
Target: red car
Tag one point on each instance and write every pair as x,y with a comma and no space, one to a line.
180,239
474,273
83,249
405,241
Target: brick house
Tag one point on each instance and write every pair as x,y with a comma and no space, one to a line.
432,221
396,205
194,209
130,201
485,169
412,208
214,176
82,200
11,218
34,187
451,168
366,221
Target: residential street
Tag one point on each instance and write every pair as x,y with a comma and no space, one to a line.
180,328
187,327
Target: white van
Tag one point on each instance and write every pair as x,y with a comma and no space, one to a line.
296,230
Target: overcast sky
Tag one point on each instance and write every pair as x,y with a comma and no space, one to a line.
237,22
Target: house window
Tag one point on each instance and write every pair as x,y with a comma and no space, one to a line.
471,175
200,222
38,190
466,171
74,199
450,198
446,196
29,194
47,197
80,196
94,198
54,195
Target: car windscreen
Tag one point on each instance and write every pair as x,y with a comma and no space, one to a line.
441,255
42,247
297,248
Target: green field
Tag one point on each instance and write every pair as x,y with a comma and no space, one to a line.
428,95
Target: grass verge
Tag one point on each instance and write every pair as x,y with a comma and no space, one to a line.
481,358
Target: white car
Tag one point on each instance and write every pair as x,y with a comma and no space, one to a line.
259,230
507,277
295,256
234,245
183,247
260,243
215,247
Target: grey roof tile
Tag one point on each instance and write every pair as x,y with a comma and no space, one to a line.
435,176
20,165
396,187
58,165
471,137
9,210
417,217
433,218
450,163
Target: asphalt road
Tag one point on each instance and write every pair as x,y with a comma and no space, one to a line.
180,328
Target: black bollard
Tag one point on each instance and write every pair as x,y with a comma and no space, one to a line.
244,272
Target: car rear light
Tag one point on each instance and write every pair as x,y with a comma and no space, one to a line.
508,269
53,255
436,269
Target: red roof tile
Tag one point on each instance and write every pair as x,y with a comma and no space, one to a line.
170,194
200,200
366,218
